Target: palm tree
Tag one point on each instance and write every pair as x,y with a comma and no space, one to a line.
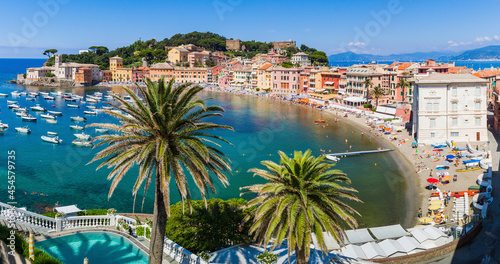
377,92
166,134
403,84
303,196
368,84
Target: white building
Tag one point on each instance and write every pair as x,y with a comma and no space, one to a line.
301,58
68,70
83,51
449,107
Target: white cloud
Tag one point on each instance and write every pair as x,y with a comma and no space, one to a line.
356,44
483,39
452,43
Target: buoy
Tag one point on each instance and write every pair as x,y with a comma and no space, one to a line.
237,171
269,154
243,154
375,164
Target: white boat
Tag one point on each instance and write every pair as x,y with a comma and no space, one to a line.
20,109
33,94
78,118
92,101
48,116
15,93
13,106
51,121
55,113
108,97
332,158
44,93
23,130
73,106
12,102
54,140
38,108
30,99
20,114
82,143
4,95
51,133
27,117
98,94
90,112
70,99
101,130
90,107
76,127
107,107
3,125
49,98
23,93
83,136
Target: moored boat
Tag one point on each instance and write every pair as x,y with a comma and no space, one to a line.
4,95
25,130
90,112
83,136
2,125
11,102
13,106
82,143
49,98
54,140
78,119
55,113
319,121
37,107
48,116
73,106
101,130
51,133
51,121
29,118
76,127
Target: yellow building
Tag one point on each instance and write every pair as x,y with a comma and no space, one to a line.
178,54
118,73
264,76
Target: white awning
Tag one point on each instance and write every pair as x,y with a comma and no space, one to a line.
385,232
390,247
358,236
70,209
331,243
409,244
373,250
329,83
355,99
353,251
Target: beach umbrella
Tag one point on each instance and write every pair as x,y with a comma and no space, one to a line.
436,202
432,180
446,163
387,129
434,207
31,244
446,178
425,220
450,157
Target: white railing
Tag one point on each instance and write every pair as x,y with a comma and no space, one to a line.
13,214
74,222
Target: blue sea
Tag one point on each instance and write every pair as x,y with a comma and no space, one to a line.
262,127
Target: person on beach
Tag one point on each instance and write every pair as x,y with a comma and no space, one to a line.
420,213
430,175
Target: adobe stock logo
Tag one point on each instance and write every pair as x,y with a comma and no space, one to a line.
373,28
223,6
31,26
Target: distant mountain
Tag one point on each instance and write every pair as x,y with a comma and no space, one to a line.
416,56
485,53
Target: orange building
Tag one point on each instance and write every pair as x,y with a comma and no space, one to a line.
83,76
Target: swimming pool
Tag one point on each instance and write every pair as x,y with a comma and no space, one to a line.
98,247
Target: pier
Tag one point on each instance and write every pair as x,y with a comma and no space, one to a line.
359,153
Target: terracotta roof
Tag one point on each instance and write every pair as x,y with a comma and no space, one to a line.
455,69
403,66
486,74
266,66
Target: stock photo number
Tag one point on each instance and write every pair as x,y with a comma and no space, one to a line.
11,176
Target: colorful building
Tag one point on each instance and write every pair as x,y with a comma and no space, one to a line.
140,74
286,81
264,76
83,76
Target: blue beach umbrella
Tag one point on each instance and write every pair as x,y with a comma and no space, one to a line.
450,157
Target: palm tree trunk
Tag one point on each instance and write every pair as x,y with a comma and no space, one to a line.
159,225
403,95
300,255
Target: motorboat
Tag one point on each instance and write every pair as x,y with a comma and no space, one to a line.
38,108
25,130
30,99
33,94
4,95
78,119
48,116
29,118
55,113
11,102
70,99
90,112
49,98
90,107
73,106
54,140
23,93
2,125
76,127
98,94
51,133
15,93
44,93
13,106
108,97
101,130
107,107
83,136
82,143
21,114
20,109
332,158
90,100
51,121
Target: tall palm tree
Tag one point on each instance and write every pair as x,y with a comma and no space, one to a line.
368,84
304,195
377,92
166,134
403,84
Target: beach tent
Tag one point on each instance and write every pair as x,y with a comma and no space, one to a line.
385,232
373,250
67,210
409,244
358,236
353,251
392,248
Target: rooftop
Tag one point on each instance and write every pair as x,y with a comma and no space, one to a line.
439,78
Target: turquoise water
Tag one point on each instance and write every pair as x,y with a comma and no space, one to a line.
262,127
98,247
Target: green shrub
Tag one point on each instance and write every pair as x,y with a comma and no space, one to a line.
367,106
51,214
93,212
140,231
148,233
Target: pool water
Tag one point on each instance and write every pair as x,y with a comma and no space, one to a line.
98,247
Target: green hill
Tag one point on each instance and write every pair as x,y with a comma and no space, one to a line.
485,53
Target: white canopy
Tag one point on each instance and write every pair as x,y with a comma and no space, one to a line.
384,232
353,251
331,243
409,244
355,99
373,250
70,209
358,236
391,246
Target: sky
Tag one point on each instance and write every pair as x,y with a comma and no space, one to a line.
379,27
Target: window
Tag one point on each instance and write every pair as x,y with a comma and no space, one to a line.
454,134
454,91
436,106
429,107
478,105
454,106
432,123
478,121
433,135
454,121
478,90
